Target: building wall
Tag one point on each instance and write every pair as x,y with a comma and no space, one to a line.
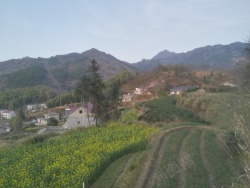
79,118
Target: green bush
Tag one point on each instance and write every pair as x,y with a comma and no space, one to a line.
233,141
52,122
129,116
38,138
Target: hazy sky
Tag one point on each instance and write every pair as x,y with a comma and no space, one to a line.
127,29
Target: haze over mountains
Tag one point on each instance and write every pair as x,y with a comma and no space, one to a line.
62,72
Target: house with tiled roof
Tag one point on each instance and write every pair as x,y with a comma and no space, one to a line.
79,116
7,114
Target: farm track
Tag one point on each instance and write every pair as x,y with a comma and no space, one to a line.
182,175
122,173
205,162
146,174
146,179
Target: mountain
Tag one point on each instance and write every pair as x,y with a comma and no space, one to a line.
164,55
60,72
208,57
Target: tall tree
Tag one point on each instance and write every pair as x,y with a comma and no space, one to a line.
90,88
112,94
96,87
245,72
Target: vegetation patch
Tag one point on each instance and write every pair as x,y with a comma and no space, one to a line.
168,173
70,160
217,158
196,174
165,109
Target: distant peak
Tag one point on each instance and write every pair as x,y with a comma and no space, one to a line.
164,54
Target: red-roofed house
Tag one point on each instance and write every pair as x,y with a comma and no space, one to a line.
79,116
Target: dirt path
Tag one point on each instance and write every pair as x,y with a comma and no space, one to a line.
154,156
120,177
205,162
182,174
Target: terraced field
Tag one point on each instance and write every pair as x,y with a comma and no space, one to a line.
179,157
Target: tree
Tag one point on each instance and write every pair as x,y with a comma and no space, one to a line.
91,89
21,114
52,122
112,95
16,123
103,96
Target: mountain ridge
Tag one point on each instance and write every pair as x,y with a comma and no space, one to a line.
209,57
62,72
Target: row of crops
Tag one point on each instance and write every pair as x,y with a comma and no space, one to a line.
71,159
196,158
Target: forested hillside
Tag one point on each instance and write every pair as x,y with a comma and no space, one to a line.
60,72
16,98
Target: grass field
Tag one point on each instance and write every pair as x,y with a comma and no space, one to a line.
191,157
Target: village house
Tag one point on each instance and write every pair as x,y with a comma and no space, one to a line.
52,115
138,91
229,84
127,97
36,106
5,128
44,120
7,114
180,89
79,116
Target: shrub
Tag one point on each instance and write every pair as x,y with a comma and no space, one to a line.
233,141
52,122
129,116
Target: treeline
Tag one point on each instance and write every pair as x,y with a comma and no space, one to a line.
121,77
32,76
16,98
72,97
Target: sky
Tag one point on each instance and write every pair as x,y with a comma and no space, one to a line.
130,30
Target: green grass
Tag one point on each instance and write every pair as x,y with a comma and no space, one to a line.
119,173
165,110
217,158
109,176
168,173
216,108
196,174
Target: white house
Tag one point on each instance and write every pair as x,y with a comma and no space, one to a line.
44,120
36,106
7,114
51,115
180,89
229,84
127,97
79,116
138,91
32,107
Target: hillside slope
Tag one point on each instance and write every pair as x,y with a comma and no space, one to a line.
208,57
61,71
